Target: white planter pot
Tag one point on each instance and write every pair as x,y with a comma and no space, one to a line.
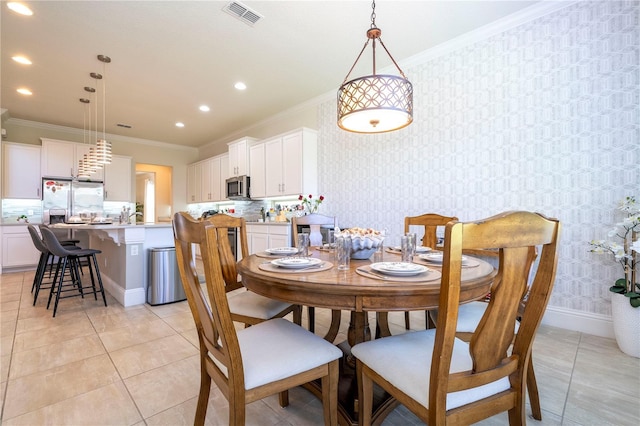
626,325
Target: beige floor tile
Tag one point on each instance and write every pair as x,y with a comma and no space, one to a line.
169,309
181,322
29,393
13,277
9,305
47,322
58,354
77,326
9,316
134,334
107,405
6,344
5,363
118,318
147,356
162,388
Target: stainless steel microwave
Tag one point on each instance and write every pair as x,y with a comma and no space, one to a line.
238,188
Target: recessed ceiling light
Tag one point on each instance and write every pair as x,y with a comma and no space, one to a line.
204,108
20,8
24,91
240,86
22,60
179,124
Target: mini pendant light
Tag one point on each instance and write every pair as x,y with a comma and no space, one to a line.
375,103
83,170
103,148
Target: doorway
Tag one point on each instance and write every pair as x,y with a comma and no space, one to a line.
153,192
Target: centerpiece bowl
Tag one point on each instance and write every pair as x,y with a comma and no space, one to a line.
364,241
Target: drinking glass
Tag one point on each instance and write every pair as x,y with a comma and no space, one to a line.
343,252
303,244
408,247
331,240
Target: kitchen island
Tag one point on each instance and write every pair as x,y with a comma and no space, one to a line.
124,261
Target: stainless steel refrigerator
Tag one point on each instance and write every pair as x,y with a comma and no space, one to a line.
62,199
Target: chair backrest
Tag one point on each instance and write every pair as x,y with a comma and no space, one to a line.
223,222
37,240
431,222
216,331
53,244
515,235
310,219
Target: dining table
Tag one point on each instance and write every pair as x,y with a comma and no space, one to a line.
362,288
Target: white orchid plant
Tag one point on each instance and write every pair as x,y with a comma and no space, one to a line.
625,253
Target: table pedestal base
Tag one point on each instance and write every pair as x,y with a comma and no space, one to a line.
348,406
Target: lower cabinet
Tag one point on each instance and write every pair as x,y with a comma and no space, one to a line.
17,248
265,235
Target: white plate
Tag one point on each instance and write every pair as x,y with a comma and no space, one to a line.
282,250
296,262
399,268
422,249
437,258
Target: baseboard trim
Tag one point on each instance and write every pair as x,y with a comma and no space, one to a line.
132,297
568,319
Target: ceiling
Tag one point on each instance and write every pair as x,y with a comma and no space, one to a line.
170,57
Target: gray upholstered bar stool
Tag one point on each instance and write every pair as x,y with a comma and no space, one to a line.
71,259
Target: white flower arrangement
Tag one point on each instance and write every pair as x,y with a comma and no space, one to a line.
626,252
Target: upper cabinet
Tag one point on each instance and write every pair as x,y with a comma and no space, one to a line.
291,164
239,156
18,177
257,172
117,179
60,159
205,180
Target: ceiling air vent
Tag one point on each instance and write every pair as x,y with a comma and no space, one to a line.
242,12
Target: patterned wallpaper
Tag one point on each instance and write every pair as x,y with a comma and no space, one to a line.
543,117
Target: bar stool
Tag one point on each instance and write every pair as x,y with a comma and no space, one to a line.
70,258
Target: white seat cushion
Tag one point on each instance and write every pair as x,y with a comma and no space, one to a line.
277,349
251,304
469,316
405,361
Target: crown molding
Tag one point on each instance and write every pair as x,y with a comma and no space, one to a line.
112,137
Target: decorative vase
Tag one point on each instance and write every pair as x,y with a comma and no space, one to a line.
626,324
315,237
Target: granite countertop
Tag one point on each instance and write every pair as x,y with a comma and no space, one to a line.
88,226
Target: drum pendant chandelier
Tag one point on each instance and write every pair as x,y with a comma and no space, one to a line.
375,103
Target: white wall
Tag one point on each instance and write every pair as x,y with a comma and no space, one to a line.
542,117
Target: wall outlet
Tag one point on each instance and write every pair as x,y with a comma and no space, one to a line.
134,250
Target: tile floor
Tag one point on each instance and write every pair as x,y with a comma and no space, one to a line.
93,365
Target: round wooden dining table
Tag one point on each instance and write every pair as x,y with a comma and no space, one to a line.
360,289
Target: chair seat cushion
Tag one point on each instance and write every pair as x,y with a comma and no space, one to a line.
404,360
250,304
469,316
277,349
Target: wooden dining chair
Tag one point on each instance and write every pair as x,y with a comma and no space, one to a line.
430,222
246,306
470,315
252,363
443,379
314,221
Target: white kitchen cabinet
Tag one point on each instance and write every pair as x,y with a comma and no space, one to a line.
191,183
239,156
17,247
117,179
262,236
224,174
257,171
205,180
291,163
60,159
210,177
18,164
